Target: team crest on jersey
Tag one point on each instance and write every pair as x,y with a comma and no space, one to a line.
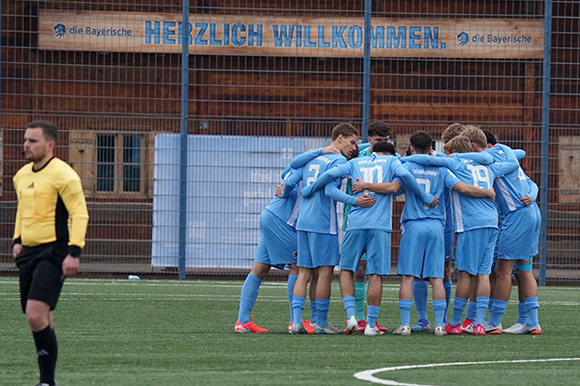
59,30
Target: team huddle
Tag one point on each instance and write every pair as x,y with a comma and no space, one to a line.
453,201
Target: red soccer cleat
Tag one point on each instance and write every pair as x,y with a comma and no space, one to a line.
249,327
453,330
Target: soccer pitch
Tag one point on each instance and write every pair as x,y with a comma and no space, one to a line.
163,332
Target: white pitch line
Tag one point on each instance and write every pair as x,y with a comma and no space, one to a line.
368,375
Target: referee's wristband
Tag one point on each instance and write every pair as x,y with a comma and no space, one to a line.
17,240
74,251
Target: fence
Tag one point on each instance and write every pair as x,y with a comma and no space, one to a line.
179,142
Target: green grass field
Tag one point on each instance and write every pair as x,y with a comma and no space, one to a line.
162,332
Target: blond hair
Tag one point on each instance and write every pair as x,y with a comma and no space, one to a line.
476,135
459,144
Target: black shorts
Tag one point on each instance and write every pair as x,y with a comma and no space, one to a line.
41,276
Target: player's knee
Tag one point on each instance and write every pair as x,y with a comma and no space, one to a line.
37,321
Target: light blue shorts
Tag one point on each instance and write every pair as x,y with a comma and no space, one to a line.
376,244
421,251
474,253
317,249
278,242
516,234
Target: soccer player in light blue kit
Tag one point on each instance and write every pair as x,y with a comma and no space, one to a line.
421,251
369,229
318,231
475,225
277,248
518,222
420,289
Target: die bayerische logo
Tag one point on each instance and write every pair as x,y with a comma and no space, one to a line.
59,31
463,38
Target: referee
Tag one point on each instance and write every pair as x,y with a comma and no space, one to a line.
51,222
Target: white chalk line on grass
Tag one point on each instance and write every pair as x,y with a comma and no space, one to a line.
368,375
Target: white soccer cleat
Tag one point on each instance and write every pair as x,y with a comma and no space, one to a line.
492,330
351,325
403,330
514,328
440,330
372,331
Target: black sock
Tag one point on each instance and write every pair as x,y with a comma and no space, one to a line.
47,351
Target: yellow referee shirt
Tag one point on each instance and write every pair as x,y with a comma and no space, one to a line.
51,206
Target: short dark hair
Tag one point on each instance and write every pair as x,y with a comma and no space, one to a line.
384,147
48,129
490,137
379,128
353,154
346,129
421,141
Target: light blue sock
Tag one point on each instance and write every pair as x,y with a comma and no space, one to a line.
420,293
322,305
532,306
480,308
290,291
448,285
522,313
372,315
297,308
313,312
439,307
405,306
359,299
349,302
471,310
248,297
458,308
496,311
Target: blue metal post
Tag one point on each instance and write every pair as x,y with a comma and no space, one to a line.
184,119
366,71
545,140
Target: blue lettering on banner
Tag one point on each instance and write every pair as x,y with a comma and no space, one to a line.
396,40
241,40
152,32
212,39
283,35
255,35
355,36
168,32
337,36
431,39
199,38
321,42
414,37
298,36
378,37
251,35
307,42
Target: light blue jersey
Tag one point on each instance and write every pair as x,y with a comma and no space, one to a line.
375,169
287,208
434,180
471,213
318,212
511,187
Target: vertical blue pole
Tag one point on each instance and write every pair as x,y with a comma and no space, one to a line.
183,158
545,140
366,71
